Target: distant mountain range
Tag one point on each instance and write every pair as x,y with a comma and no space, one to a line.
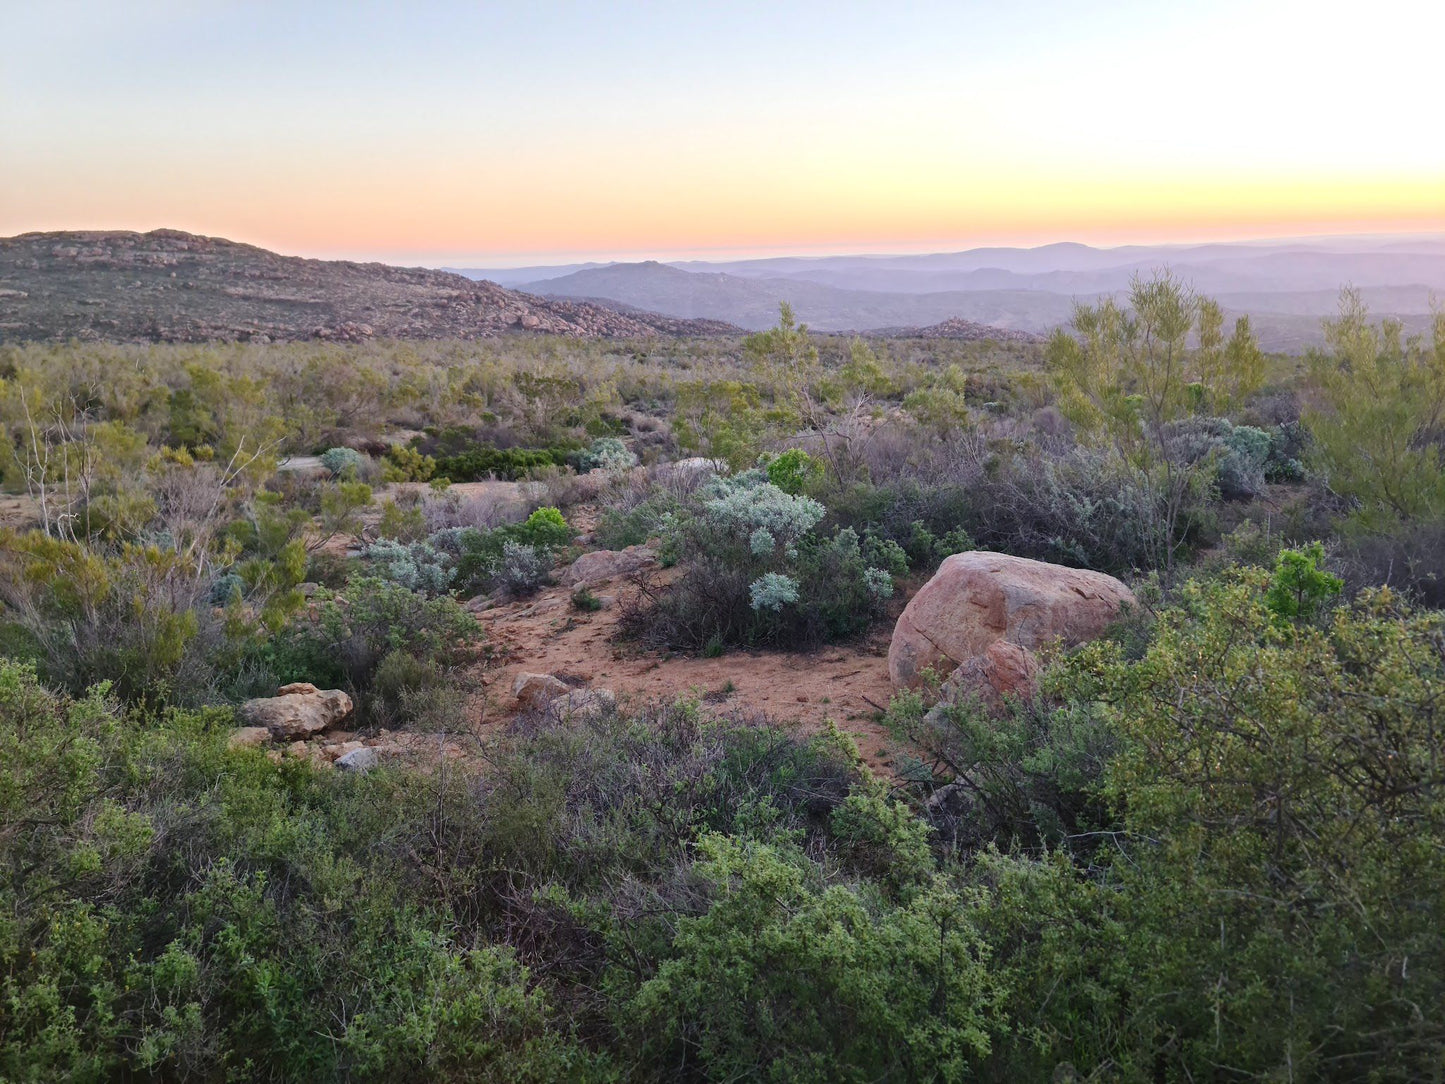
172,286
1286,287
169,286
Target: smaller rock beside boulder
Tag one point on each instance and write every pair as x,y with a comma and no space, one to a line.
537,690
582,705
358,760
601,565
247,736
1004,670
297,710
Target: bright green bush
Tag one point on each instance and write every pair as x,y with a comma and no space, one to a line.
341,638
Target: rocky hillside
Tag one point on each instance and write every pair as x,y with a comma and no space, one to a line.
169,286
960,330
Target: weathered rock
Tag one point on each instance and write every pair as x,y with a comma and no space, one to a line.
358,760
340,749
978,598
601,565
297,710
537,690
248,735
951,800
582,705
1004,670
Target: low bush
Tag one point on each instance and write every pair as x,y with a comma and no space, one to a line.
340,639
514,558
345,463
757,572
478,464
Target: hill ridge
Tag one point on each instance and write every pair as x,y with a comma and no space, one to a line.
168,285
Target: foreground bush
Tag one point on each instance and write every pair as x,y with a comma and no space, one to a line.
1220,850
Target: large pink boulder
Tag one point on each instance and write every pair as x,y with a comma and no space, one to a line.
976,599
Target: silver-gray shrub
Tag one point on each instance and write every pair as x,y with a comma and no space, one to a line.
417,566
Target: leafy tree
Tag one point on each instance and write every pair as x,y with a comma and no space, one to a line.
1380,412
1128,376
1300,586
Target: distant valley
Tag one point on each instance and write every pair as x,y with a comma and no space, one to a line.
1286,287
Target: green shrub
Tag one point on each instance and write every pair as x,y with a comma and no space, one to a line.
341,639
404,464
343,462
514,558
756,987
793,471
756,572
478,464
607,453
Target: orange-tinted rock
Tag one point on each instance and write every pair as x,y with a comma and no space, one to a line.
601,565
1004,670
978,598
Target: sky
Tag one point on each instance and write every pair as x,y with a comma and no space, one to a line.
488,134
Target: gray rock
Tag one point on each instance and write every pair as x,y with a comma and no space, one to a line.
358,760
582,705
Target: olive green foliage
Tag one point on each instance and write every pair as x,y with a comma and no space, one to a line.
1381,408
484,555
1129,376
1209,849
481,463
405,464
1222,851
1280,789
177,911
340,639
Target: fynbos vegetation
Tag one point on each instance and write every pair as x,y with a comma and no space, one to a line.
283,797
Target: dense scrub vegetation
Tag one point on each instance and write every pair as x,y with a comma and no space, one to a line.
1223,855
1213,847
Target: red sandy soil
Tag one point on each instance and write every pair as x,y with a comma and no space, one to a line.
547,635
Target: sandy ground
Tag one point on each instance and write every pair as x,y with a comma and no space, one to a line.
19,512
847,684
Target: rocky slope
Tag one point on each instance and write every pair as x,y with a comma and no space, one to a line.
960,330
169,286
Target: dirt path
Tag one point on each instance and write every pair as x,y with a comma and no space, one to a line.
546,634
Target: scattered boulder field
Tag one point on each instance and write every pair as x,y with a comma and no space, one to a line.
975,625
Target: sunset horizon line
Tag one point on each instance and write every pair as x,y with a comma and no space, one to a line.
471,259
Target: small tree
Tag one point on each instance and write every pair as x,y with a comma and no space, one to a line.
1128,376
1378,414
